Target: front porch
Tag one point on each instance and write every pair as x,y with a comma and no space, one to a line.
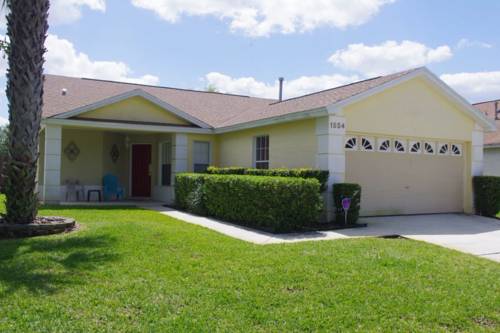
75,159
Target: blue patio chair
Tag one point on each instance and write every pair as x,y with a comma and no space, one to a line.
111,188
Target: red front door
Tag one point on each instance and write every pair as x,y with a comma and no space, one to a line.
141,179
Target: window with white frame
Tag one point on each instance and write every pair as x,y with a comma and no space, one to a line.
456,149
262,152
399,146
201,156
367,144
415,147
351,143
429,148
384,145
166,163
443,149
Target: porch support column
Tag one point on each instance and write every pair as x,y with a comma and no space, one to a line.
330,133
179,154
52,164
477,164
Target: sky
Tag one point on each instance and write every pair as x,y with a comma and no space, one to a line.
243,46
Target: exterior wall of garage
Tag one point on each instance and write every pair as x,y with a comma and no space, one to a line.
492,161
413,111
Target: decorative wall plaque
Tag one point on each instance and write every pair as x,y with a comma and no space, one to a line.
114,153
72,151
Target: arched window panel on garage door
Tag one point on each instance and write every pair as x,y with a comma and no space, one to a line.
443,148
384,145
351,143
399,146
415,147
456,149
367,144
429,148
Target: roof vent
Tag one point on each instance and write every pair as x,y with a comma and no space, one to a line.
64,91
280,96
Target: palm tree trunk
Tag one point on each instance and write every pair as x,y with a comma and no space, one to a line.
27,29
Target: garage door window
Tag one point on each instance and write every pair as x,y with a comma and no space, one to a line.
384,145
443,149
351,143
415,147
367,144
399,146
456,150
429,148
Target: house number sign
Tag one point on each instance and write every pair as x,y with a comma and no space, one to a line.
337,124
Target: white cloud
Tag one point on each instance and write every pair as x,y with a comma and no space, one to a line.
68,11
466,43
3,121
62,58
264,17
475,86
388,57
296,87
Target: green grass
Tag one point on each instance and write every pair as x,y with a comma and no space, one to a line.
129,270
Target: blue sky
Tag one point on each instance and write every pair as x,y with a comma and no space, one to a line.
244,48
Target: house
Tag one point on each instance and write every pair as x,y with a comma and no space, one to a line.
410,141
491,140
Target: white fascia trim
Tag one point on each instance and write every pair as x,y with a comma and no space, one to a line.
132,93
437,82
125,127
314,113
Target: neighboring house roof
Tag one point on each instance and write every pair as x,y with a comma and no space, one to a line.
218,110
489,109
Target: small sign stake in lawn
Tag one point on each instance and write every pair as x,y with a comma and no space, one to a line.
346,204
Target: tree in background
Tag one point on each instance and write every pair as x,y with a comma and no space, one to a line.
26,31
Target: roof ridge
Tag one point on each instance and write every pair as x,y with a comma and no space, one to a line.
160,87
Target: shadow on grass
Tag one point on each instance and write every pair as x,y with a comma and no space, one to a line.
44,265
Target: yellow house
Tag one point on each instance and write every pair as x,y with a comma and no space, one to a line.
410,141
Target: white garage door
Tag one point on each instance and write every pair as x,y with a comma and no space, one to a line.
406,177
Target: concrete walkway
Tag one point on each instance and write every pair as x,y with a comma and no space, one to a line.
470,234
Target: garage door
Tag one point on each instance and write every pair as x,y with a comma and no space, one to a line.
406,176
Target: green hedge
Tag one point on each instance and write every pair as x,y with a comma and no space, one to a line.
347,190
320,175
487,195
276,204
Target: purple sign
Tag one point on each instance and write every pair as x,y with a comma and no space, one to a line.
346,203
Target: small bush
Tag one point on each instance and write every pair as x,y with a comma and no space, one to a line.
276,204
487,195
347,190
320,175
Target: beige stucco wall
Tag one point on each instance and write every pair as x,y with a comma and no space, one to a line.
291,145
134,109
414,110
492,162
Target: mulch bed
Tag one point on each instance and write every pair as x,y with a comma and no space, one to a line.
41,226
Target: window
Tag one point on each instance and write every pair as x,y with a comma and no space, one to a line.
443,149
367,144
166,163
201,156
456,150
384,145
415,147
262,152
399,146
429,148
351,144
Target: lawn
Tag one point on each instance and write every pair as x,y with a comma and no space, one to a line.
130,270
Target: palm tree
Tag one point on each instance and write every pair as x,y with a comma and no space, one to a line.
26,29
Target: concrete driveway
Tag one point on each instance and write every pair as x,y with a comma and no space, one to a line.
467,233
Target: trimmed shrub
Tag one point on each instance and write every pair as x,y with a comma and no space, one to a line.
347,190
189,192
487,195
320,175
275,204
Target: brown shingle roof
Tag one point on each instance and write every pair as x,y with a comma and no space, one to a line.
488,108
215,109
